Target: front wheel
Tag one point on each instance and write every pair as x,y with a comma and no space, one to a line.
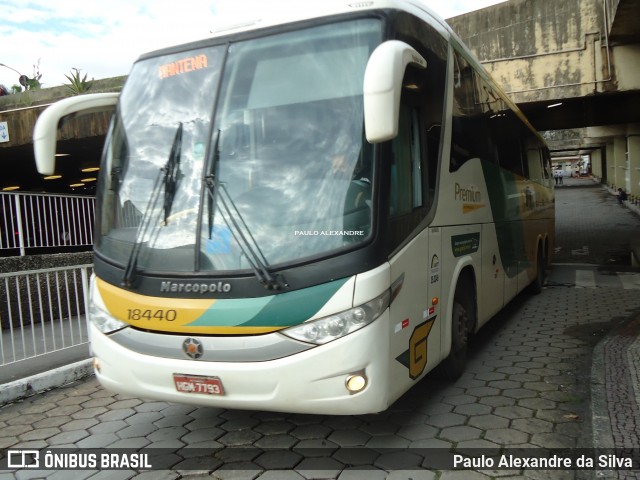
462,316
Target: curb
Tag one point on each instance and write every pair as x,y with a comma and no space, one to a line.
25,387
601,424
602,433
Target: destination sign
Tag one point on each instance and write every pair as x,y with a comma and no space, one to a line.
184,65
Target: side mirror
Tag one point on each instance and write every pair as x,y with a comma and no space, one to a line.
45,133
383,86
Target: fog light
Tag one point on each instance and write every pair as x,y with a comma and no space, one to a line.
96,365
356,383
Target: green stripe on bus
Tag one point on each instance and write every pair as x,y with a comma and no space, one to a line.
282,310
504,198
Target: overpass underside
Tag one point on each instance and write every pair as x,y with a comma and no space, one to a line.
80,141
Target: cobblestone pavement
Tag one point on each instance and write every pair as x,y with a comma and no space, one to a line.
622,362
556,370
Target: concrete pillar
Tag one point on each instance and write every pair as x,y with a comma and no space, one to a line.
620,161
633,142
611,165
596,164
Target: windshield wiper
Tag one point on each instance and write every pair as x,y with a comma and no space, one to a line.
220,199
169,177
172,173
243,236
210,184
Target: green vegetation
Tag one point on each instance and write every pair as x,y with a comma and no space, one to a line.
77,84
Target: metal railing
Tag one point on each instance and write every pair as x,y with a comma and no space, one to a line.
43,311
43,220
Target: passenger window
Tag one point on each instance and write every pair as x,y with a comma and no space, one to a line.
534,164
472,114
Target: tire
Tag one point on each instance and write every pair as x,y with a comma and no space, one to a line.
462,319
541,274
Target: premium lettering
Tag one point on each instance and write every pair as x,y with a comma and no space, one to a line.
470,194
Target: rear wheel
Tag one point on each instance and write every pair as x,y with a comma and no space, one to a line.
541,274
462,321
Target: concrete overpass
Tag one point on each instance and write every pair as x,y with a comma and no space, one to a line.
80,142
573,66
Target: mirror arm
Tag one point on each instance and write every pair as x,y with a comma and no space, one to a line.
45,132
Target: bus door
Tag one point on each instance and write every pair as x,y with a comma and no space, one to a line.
415,263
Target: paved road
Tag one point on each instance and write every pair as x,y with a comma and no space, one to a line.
591,227
551,371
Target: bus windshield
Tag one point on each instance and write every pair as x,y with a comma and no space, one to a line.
275,167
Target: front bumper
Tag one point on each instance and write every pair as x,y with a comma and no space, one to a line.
310,381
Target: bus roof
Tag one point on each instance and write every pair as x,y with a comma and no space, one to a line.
283,12
289,11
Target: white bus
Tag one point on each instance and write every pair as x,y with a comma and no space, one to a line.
308,214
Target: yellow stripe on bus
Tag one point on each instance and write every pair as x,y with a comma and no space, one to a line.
472,207
153,313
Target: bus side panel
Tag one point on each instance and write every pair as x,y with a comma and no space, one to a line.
523,215
508,250
491,288
415,324
466,210
538,211
532,230
461,248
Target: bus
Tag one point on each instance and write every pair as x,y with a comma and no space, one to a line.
307,213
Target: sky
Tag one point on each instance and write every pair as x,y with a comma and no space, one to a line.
103,39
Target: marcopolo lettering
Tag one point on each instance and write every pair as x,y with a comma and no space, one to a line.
195,287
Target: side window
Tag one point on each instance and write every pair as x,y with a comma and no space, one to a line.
537,158
413,166
416,161
471,135
406,169
546,165
407,177
507,133
535,164
484,126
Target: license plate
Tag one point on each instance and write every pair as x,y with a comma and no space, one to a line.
198,384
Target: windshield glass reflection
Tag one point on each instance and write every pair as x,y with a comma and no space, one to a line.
162,95
291,154
286,146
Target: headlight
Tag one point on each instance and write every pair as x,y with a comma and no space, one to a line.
98,313
327,329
